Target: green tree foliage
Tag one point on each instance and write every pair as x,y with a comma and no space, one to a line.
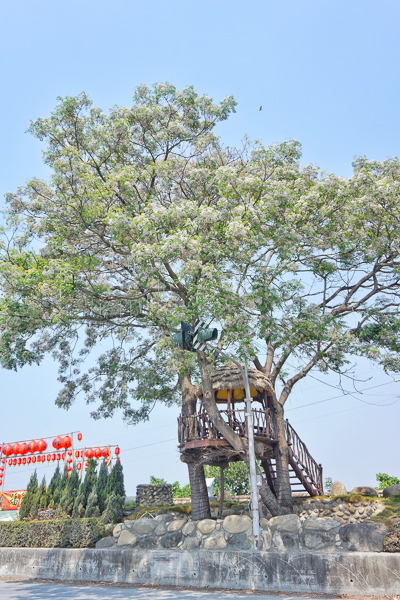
236,478
148,220
113,512
31,490
92,508
70,493
177,490
101,486
115,482
386,480
157,480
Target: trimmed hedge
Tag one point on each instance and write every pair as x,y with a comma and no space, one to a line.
60,533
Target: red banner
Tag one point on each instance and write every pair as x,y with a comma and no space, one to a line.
11,500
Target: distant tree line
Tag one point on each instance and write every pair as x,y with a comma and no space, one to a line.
99,494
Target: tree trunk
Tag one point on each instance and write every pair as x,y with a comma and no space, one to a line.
221,493
198,491
281,455
235,441
198,488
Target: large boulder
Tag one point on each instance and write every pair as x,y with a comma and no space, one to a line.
365,491
320,524
392,490
363,537
338,489
236,524
144,526
206,526
106,542
126,538
285,524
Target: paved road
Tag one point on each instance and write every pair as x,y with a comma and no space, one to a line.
26,590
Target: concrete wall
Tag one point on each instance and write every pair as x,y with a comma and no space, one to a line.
341,573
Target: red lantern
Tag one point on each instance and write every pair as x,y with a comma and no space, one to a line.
34,459
24,461
8,450
97,453
69,469
57,443
81,453
32,447
53,457
3,461
48,457
23,449
108,462
1,482
28,460
117,451
44,458
10,462
77,454
69,461
58,456
86,464
69,452
79,466
41,445
2,468
63,456
19,461
66,442
105,452
15,448
14,462
89,453
79,436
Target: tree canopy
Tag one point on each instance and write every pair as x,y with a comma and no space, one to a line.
148,219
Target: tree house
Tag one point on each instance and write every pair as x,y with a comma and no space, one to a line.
201,443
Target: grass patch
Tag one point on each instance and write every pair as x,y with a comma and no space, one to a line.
184,509
392,511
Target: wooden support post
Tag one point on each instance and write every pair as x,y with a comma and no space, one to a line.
221,494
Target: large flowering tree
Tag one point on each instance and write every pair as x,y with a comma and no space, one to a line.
148,220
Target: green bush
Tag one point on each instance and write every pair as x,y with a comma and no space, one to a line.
236,478
386,480
60,533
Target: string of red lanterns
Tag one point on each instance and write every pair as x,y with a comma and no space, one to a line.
37,450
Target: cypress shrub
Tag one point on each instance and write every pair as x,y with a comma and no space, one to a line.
70,492
60,533
54,482
101,486
92,507
61,487
26,503
113,512
115,482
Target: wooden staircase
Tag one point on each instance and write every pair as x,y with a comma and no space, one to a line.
305,473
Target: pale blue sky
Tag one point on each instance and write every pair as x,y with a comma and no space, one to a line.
326,74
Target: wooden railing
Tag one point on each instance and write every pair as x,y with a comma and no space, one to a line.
199,427
307,470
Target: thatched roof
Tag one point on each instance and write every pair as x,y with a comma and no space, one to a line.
228,377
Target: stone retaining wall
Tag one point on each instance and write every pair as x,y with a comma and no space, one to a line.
366,573
158,494
278,534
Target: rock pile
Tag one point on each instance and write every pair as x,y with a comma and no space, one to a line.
344,512
158,494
